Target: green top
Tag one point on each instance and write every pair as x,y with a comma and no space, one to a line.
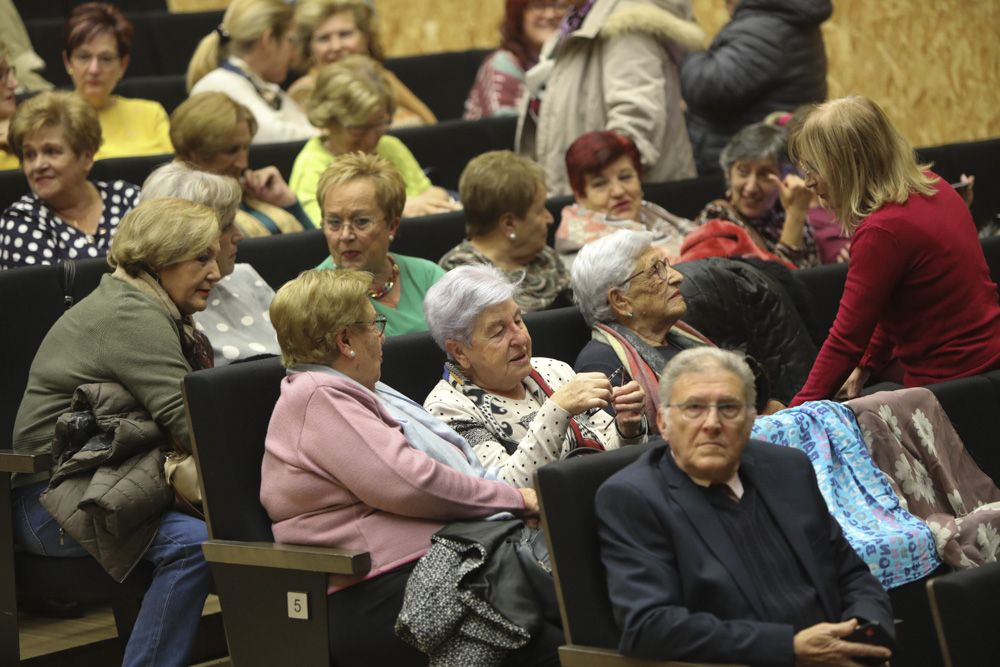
314,158
415,277
116,334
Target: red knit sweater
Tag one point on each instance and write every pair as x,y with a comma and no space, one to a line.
918,289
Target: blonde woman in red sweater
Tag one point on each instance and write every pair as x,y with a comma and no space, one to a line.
918,289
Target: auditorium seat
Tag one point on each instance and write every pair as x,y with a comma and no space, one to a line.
964,607
167,89
281,155
282,257
440,80
566,492
228,410
444,149
34,298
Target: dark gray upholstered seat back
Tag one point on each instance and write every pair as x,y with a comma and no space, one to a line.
566,490
229,409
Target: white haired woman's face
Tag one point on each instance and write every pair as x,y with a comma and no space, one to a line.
498,355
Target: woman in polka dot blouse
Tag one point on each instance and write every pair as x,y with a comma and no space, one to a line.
55,136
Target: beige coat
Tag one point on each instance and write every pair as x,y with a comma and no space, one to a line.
619,72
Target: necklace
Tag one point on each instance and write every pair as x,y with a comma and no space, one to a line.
389,284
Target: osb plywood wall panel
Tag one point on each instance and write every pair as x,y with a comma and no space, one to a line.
426,26
933,64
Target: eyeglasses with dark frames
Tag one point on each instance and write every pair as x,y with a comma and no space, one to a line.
657,270
378,323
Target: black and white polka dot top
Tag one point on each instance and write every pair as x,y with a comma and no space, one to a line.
32,235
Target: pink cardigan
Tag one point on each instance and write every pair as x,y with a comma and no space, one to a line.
338,472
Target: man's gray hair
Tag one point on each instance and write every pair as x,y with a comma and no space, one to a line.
758,141
181,180
453,304
704,359
603,264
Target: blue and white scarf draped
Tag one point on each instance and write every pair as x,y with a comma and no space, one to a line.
897,546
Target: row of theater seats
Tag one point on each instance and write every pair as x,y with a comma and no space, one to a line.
230,450
229,457
165,41
443,150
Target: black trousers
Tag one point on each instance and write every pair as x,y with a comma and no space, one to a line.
362,618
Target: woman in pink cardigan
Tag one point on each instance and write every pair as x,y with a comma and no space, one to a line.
350,463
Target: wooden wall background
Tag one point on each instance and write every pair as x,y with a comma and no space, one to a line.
933,64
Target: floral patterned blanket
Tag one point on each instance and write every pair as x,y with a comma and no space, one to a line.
911,439
897,546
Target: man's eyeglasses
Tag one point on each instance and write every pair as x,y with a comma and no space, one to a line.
104,60
695,410
657,270
361,224
378,323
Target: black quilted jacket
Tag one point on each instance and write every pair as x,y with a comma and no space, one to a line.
769,57
740,307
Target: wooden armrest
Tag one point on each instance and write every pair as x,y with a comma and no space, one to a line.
25,463
287,556
575,655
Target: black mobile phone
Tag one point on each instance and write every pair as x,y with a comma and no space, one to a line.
871,633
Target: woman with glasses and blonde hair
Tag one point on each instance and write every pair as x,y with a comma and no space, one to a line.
353,105
395,477
329,30
362,198
247,58
96,55
918,288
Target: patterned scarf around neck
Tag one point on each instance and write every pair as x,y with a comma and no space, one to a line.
195,345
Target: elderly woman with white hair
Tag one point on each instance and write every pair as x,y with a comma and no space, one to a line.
513,408
235,318
630,295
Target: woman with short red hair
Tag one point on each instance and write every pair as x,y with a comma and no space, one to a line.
96,54
499,85
604,170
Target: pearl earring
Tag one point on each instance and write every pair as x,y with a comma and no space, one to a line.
351,354
392,237
512,236
628,314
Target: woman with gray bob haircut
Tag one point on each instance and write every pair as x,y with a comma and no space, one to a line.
517,412
235,319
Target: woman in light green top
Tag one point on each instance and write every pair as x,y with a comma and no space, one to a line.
353,105
362,197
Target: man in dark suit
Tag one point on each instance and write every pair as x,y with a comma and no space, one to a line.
720,548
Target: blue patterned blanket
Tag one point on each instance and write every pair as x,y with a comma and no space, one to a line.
897,546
